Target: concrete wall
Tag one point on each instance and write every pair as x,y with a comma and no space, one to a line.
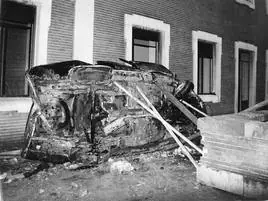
227,19
234,153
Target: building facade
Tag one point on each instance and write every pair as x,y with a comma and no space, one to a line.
221,46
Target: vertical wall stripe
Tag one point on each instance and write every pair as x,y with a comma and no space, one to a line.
43,19
83,30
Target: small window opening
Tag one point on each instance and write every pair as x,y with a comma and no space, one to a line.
206,68
146,45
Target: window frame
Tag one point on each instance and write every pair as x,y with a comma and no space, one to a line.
217,41
254,50
143,22
247,3
42,23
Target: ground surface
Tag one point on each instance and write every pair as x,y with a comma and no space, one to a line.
157,176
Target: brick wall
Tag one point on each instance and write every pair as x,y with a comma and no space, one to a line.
60,38
227,19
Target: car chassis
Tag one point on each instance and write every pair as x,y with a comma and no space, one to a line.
78,113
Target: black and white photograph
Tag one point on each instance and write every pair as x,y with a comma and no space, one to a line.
133,100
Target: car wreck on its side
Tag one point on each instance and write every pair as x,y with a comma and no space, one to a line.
78,113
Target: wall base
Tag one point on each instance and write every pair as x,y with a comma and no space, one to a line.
232,182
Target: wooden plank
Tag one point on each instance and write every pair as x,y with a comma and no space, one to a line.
10,153
155,112
166,123
179,105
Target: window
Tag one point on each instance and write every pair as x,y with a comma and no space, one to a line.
244,72
23,42
15,47
148,36
245,75
207,50
145,45
206,80
40,29
249,3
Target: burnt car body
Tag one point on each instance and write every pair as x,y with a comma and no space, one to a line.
78,113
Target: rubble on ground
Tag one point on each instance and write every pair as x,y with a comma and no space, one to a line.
25,168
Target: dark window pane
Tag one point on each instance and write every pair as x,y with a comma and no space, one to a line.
15,47
16,61
145,45
244,79
206,69
144,34
205,49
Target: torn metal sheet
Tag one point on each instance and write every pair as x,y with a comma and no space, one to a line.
78,111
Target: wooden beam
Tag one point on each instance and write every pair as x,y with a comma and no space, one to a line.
179,105
155,112
166,123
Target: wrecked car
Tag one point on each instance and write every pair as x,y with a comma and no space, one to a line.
79,114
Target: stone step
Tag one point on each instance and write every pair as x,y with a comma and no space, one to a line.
223,125
232,182
236,141
238,159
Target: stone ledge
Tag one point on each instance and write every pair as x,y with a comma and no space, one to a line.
232,182
223,125
19,104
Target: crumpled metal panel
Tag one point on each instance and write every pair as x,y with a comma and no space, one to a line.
84,106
